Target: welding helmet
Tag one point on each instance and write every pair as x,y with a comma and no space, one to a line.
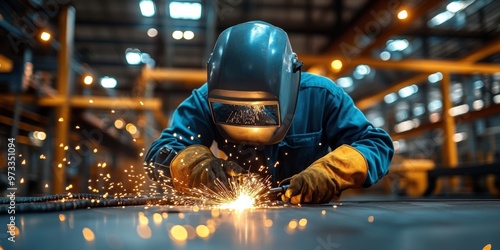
253,82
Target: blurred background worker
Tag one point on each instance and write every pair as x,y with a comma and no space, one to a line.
269,118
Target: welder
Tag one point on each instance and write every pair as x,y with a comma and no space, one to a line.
262,115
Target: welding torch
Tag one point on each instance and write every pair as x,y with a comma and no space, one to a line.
275,193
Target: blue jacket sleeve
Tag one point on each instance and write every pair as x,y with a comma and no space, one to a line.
346,124
191,124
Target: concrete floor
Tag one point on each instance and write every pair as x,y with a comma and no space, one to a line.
417,224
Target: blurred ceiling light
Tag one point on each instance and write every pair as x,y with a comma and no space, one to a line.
188,35
478,84
457,92
378,121
403,14
496,99
345,82
145,58
88,79
385,55
408,91
131,128
434,105
152,32
403,126
434,117
185,10
177,35
361,71
459,110
457,6
108,82
458,137
133,56
440,18
397,45
478,104
418,109
147,7
39,135
390,98
436,77
336,65
45,36
119,123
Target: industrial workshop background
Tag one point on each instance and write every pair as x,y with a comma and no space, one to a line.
86,86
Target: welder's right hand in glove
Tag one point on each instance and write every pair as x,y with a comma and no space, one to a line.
196,165
327,177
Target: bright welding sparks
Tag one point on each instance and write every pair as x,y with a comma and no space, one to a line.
242,193
243,201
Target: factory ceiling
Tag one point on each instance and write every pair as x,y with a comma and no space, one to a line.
106,30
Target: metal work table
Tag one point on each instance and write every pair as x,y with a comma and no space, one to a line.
418,224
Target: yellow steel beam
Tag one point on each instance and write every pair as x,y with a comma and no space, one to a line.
5,64
101,102
449,150
66,35
193,77
423,65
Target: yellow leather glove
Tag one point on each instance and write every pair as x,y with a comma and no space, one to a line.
196,165
327,177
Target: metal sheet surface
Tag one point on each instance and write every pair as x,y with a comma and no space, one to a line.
422,224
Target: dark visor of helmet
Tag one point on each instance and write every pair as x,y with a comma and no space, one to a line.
246,114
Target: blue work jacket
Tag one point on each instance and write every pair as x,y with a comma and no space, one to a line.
325,118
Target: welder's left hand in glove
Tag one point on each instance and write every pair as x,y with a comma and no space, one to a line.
327,177
196,166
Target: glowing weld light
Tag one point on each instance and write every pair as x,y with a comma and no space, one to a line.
243,201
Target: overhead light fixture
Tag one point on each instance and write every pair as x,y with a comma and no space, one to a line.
390,98
336,65
177,35
188,35
108,82
88,79
397,45
408,91
385,55
45,36
459,110
147,7
440,18
152,32
403,14
185,10
361,71
457,6
133,56
436,77
119,123
345,82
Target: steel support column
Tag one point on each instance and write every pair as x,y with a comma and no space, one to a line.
64,78
449,147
